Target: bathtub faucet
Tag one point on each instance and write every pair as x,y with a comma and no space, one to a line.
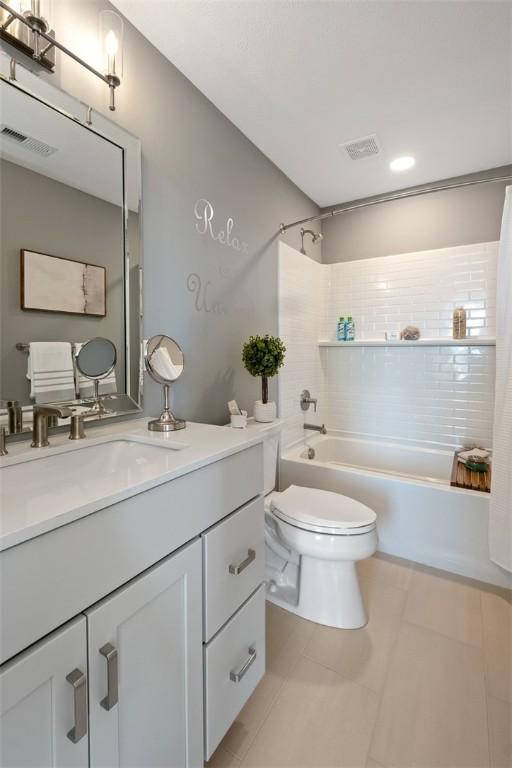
316,428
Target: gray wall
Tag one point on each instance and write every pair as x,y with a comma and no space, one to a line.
41,214
192,151
438,220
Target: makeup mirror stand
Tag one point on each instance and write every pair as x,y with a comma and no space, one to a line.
98,406
164,362
167,421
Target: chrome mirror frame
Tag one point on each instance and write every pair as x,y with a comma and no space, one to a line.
37,87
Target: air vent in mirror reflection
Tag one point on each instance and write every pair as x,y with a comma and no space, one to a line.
27,142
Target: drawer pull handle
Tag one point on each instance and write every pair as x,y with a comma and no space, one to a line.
78,680
236,677
111,699
236,570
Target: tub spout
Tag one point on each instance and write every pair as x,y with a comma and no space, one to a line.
316,428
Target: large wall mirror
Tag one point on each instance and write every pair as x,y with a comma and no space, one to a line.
70,197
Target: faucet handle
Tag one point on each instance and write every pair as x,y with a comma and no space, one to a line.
306,400
3,439
77,430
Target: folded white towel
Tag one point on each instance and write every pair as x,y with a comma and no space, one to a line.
162,364
50,371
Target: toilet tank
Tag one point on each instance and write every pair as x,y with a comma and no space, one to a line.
270,454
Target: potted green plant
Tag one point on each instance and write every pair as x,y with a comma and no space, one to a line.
263,356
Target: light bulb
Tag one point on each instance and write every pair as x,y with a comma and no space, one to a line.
111,43
402,163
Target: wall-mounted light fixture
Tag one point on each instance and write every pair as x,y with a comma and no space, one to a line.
25,35
111,36
26,25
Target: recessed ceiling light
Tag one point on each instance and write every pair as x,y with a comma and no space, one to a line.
402,163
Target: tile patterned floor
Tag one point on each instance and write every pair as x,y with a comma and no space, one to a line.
427,684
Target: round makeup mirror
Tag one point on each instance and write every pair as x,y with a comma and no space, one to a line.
96,360
164,362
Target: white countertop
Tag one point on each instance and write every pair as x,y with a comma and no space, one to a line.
34,502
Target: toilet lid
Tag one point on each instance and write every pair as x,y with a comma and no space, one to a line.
322,511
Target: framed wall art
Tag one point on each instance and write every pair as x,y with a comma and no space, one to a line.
57,284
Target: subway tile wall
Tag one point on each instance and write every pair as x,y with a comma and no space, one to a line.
441,395
303,286
422,289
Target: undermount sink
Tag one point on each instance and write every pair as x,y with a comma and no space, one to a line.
41,487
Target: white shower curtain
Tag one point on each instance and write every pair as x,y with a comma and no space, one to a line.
500,523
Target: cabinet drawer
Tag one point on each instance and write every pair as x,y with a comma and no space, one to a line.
234,665
234,564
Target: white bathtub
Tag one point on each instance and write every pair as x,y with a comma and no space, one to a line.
420,516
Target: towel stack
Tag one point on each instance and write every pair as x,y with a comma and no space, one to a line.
50,371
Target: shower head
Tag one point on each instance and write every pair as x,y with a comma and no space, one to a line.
315,238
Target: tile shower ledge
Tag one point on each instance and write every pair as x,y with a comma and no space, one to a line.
472,341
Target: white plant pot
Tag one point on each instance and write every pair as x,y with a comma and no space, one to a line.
264,411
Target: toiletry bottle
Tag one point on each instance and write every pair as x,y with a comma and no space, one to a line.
350,329
340,329
459,323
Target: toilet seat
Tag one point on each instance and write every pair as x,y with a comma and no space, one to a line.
319,511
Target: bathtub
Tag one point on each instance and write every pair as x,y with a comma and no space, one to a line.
420,516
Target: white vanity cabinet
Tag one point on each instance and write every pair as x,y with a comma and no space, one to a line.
43,703
132,633
145,676
143,702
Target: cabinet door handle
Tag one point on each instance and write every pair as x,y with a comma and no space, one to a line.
235,677
237,569
78,680
111,699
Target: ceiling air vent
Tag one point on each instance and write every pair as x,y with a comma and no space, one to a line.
357,149
27,142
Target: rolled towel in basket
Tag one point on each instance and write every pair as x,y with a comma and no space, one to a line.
477,453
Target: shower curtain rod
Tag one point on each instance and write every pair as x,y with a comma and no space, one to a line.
390,198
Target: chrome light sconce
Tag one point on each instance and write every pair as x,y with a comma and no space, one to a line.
22,25
25,24
111,36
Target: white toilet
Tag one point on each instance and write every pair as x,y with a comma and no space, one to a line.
313,540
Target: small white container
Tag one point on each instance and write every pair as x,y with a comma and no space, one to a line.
239,420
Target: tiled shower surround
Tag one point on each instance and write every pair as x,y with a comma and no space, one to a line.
435,394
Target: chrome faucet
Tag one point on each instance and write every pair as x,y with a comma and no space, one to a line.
3,438
40,425
316,428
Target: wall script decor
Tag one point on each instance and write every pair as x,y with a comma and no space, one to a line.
204,213
57,284
201,290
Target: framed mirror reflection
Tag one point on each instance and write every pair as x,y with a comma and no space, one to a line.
70,254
